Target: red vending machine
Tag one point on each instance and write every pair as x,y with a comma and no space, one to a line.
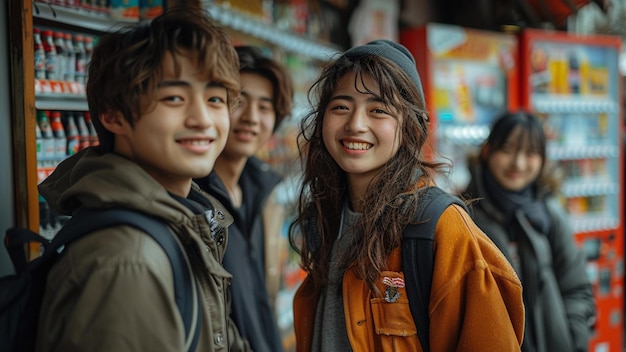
469,76
574,83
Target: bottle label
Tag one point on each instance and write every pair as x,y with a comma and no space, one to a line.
40,65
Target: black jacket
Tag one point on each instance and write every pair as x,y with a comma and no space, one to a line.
245,258
557,292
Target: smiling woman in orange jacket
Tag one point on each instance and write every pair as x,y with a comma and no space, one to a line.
362,165
467,310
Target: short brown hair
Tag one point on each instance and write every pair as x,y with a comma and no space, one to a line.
127,65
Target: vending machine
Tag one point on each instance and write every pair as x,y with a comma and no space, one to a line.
574,84
469,76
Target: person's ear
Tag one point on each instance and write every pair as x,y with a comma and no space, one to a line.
114,122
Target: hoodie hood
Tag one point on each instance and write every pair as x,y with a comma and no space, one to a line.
92,179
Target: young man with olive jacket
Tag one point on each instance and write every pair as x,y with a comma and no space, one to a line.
160,94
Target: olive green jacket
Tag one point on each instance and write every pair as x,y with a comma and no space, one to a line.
113,290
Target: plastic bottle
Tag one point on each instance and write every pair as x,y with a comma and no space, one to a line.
573,75
70,59
584,72
51,54
554,69
60,143
39,145
88,51
59,45
40,55
46,136
93,135
83,131
71,133
81,60
88,47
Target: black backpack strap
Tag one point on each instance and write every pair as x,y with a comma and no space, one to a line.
418,255
186,295
14,241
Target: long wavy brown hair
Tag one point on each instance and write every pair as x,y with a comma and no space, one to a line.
391,195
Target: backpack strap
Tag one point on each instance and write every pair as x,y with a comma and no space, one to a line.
418,255
186,295
14,241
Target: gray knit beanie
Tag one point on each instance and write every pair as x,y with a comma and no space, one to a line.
391,51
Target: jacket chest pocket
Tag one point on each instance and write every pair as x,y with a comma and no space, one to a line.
393,322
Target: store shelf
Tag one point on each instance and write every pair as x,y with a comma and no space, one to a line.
65,102
582,152
590,223
589,188
77,17
464,135
552,103
249,25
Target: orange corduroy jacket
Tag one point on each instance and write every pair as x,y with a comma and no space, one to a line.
475,303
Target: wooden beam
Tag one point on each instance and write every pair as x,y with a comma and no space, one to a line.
22,95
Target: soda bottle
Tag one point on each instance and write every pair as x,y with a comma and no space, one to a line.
41,172
51,54
60,143
40,55
70,58
46,136
573,75
81,60
71,132
39,145
88,47
83,132
93,135
88,51
59,45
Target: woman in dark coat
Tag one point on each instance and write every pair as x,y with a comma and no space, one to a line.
518,209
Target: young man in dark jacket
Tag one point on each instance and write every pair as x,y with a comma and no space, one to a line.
160,94
244,183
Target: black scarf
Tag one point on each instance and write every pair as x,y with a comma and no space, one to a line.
509,201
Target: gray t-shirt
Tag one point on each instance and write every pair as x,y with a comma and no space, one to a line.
329,332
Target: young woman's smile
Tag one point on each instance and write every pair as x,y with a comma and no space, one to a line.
359,130
515,166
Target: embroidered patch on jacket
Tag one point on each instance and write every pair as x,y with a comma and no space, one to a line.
392,284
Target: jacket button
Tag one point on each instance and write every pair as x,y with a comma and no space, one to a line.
218,339
220,239
206,248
